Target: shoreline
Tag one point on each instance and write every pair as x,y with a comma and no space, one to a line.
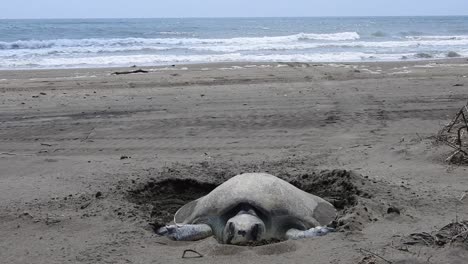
460,60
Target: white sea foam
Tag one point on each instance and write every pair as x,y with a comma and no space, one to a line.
231,68
303,47
148,60
41,44
458,37
226,46
400,72
298,41
370,71
174,33
100,61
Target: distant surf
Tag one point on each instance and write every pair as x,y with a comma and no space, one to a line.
103,43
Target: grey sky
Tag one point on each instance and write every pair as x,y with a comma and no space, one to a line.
226,8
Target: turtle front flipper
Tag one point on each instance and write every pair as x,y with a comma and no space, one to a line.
186,232
295,234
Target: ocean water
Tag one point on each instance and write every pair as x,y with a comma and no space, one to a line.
73,43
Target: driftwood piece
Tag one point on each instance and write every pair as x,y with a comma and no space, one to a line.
130,72
376,255
455,135
197,254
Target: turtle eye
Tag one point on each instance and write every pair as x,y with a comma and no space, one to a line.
231,229
230,233
255,232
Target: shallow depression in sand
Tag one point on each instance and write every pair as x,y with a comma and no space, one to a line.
171,188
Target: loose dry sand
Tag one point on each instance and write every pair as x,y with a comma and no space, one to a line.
81,151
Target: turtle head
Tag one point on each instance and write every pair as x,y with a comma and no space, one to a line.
243,228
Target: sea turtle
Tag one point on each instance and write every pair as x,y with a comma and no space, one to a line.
252,207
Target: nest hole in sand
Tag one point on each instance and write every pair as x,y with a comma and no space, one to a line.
170,188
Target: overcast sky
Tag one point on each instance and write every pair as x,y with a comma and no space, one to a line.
226,8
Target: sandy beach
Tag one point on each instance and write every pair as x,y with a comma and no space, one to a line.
78,148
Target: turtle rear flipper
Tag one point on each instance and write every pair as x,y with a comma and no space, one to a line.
185,212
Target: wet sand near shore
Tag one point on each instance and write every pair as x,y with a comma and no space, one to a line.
77,146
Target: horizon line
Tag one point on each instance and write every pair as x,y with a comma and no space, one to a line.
223,17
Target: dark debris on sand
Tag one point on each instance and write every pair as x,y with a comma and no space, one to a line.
455,135
453,233
263,242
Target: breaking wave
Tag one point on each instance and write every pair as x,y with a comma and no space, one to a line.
151,46
150,60
60,43
305,47
99,61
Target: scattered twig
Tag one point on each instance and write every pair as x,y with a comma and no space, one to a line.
84,206
462,197
449,234
198,255
419,251
130,72
456,152
419,137
457,236
372,253
454,135
88,135
425,241
15,154
9,154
